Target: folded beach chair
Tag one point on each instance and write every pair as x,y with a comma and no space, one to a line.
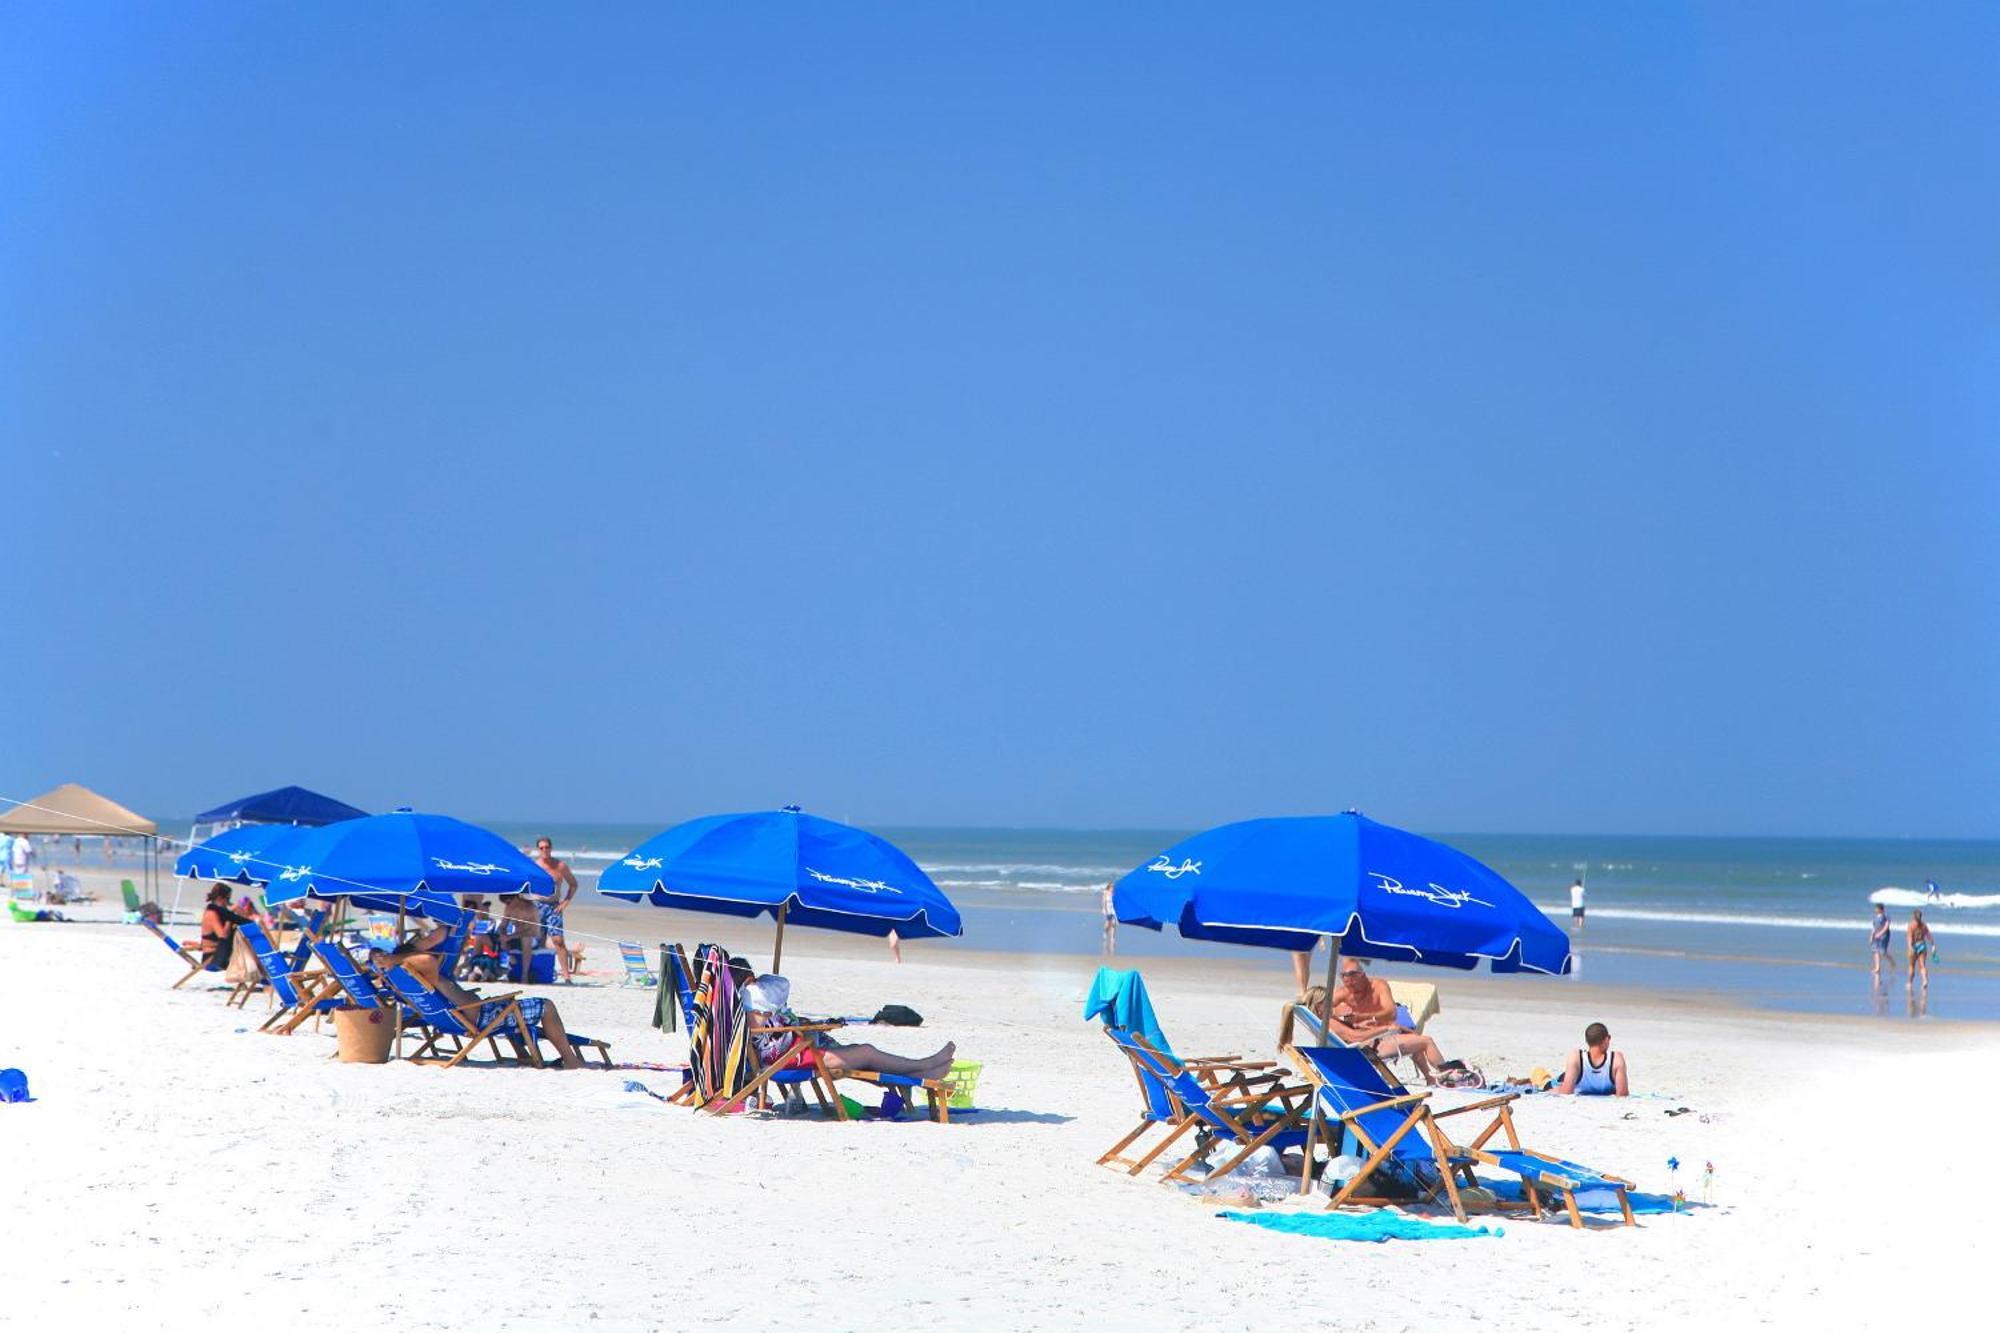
299,994
464,1028
637,971
1272,1116
130,894
187,953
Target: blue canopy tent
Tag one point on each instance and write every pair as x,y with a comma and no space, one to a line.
405,862
792,866
284,805
246,854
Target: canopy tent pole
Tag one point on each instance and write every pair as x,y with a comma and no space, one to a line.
778,949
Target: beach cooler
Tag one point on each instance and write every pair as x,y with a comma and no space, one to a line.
366,1035
541,968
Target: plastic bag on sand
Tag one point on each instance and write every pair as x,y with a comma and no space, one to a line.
1261,1165
1338,1172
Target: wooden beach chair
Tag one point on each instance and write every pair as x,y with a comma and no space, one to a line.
1249,1116
187,953
440,1021
299,994
1397,1128
1158,1107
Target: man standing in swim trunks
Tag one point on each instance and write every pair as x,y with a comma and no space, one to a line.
1921,950
1878,937
1110,923
1576,904
552,911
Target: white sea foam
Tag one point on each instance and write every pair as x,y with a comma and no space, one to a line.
1009,870
1857,924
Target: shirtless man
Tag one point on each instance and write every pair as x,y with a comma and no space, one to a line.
552,911
1921,950
519,928
1361,1000
1110,923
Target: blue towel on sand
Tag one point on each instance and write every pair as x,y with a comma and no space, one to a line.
1376,1226
1121,997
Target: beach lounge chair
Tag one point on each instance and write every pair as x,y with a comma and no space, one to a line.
1401,1137
1265,1115
441,1021
187,953
637,970
300,995
355,983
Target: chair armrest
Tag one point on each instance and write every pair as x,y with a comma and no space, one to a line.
804,1027
1486,1104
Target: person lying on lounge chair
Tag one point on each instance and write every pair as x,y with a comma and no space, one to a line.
535,1011
768,999
1386,1040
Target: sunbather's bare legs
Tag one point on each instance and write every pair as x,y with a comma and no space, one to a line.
553,1033
874,1060
1423,1051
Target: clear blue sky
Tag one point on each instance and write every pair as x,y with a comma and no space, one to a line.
1499,418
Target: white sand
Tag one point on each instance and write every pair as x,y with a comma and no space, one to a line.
177,1168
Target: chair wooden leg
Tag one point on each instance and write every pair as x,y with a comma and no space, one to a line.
1164,1144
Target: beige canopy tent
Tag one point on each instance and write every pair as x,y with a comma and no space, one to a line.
72,809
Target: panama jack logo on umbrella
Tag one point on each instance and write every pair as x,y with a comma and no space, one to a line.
865,885
1437,893
644,863
469,867
1165,866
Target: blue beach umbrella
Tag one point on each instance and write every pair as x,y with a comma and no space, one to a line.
792,866
248,854
405,862
1374,890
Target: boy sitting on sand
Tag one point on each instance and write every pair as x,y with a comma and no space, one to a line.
1596,1071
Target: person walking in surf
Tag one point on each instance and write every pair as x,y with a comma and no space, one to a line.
1878,939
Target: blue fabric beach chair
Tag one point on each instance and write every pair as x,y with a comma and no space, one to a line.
1349,1076
187,953
354,982
506,1016
1118,998
1263,1115
300,995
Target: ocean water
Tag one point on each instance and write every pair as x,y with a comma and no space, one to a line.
1773,922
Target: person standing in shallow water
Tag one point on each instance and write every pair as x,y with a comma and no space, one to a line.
1110,922
1576,904
1878,939
1921,949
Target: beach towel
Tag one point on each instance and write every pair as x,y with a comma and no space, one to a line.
1121,995
1378,1226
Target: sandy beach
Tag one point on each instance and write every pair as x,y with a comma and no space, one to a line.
178,1166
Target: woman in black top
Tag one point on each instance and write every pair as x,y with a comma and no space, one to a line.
218,929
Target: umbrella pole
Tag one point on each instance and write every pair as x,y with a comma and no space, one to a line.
778,949
1325,1026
